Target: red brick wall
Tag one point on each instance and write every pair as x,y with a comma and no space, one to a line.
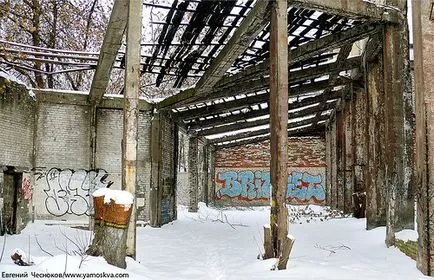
242,174
302,152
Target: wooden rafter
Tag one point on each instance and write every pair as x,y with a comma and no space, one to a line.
254,114
352,9
248,124
316,129
249,28
301,53
109,50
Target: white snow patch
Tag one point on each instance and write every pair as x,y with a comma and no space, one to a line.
202,246
120,197
406,235
12,78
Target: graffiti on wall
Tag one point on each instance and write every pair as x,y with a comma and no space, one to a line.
68,191
253,185
27,189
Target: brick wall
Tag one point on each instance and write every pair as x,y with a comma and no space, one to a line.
63,136
17,110
242,173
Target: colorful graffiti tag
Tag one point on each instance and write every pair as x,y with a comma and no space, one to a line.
302,187
68,191
27,189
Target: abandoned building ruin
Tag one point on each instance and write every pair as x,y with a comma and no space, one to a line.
360,116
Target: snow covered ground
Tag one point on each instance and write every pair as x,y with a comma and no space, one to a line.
214,244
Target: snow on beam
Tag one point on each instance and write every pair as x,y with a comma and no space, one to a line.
256,99
110,46
249,28
307,50
352,9
254,114
243,125
258,132
305,131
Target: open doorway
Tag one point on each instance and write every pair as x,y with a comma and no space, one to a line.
12,181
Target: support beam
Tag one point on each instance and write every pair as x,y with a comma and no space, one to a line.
193,173
351,8
258,132
131,114
307,50
423,31
240,103
249,115
394,120
376,186
248,124
278,124
249,28
110,46
314,130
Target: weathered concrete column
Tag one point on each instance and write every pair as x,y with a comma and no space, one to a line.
278,124
193,179
375,181
360,139
333,166
155,190
348,153
399,211
205,178
340,159
163,169
328,164
211,190
131,113
423,31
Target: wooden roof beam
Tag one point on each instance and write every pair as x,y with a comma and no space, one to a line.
303,131
249,124
294,105
110,46
245,87
250,27
249,134
355,9
256,99
254,114
307,50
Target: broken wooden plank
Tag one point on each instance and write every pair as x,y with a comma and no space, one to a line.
249,28
356,9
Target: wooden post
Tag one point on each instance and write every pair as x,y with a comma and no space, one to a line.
193,172
131,113
279,123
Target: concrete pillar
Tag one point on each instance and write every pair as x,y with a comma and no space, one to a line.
348,154
131,114
211,190
423,31
163,170
205,178
155,189
375,180
328,164
399,213
340,159
360,139
333,165
193,173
